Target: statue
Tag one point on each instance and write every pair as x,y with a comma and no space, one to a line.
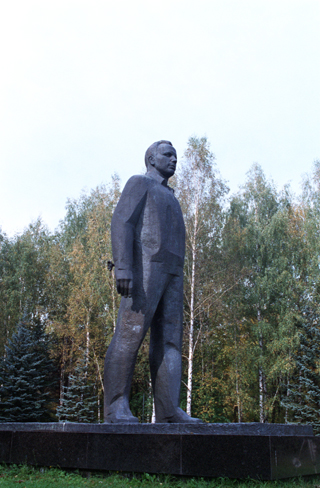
148,244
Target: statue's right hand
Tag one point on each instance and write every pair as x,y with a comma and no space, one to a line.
124,287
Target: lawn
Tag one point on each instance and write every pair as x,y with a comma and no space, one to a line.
26,476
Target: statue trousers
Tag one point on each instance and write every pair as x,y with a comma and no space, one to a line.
157,302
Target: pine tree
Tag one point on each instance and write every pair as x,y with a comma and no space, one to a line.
26,377
79,404
303,392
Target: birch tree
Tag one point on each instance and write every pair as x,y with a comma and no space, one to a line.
268,242
200,192
24,264
90,304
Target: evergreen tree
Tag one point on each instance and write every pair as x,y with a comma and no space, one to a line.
79,403
303,392
26,377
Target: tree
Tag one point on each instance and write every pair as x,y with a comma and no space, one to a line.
89,302
303,392
201,193
302,399
24,263
264,231
79,403
26,377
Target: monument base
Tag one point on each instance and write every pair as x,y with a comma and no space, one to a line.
261,451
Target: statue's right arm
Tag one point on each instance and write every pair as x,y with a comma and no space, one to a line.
124,220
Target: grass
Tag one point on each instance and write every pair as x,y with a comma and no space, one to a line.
27,476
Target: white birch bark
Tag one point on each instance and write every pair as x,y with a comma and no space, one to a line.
192,297
261,378
150,399
239,413
87,343
62,383
153,418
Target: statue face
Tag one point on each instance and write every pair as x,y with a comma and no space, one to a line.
165,160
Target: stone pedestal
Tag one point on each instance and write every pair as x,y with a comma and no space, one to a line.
261,451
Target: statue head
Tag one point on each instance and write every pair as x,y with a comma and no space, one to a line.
161,157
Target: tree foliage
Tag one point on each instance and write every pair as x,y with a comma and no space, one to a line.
79,400
303,390
200,191
26,377
252,294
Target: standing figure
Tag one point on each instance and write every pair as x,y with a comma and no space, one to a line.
148,245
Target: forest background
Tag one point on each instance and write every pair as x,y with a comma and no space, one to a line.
251,310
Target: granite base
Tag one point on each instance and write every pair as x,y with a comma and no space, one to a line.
261,451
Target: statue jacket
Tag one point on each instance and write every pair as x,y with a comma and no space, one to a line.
147,226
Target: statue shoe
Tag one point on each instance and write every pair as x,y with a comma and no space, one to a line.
119,413
116,418
180,417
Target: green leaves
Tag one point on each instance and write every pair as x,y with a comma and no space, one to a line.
252,278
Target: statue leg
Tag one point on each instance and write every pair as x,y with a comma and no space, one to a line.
165,354
120,361
134,319
165,349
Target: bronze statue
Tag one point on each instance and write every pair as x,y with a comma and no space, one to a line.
148,244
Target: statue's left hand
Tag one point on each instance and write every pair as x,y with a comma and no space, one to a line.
124,287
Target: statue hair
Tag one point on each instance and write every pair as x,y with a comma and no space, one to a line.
153,149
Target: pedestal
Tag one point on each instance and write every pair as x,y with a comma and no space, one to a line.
261,451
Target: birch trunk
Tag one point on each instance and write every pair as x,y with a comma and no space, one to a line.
287,395
239,413
150,400
261,378
87,342
63,366
99,408
62,383
192,296
153,418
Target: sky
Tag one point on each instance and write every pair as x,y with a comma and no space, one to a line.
87,85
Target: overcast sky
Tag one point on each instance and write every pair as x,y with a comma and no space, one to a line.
87,85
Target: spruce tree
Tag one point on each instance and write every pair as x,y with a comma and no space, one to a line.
79,404
303,393
26,376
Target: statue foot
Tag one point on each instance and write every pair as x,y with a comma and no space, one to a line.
180,417
120,419
119,413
